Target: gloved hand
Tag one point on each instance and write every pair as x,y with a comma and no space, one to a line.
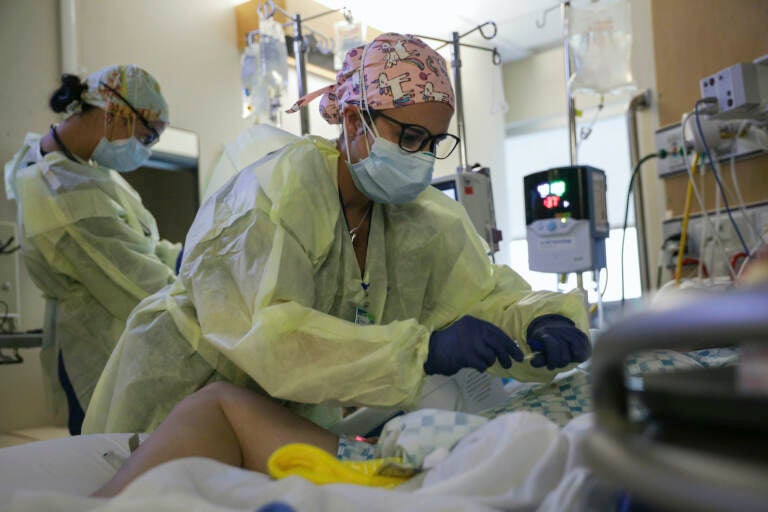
469,343
558,342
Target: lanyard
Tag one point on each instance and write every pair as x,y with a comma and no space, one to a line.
363,316
362,313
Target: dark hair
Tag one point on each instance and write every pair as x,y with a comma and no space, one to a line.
71,89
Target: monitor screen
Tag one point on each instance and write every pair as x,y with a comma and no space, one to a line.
169,190
448,188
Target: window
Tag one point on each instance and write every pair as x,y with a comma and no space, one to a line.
607,149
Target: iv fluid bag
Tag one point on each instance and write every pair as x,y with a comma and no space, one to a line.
347,36
498,101
255,94
273,55
600,42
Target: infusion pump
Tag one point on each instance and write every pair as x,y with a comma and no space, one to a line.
473,191
566,219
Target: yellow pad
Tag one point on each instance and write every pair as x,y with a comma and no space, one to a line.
320,467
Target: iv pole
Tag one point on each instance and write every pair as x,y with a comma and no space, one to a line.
571,109
456,45
570,104
300,47
301,69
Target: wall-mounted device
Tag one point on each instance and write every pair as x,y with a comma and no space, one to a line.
566,218
473,190
726,140
741,90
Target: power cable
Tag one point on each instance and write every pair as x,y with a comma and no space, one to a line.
661,154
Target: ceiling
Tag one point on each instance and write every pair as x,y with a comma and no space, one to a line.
518,34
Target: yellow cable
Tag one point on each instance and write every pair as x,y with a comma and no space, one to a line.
686,218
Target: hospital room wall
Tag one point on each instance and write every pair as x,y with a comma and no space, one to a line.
30,68
535,92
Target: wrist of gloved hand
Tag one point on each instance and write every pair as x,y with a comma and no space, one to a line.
436,361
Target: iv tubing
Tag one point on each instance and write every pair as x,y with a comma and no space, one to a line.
684,228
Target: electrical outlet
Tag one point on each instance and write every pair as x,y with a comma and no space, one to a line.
669,254
732,143
717,256
739,140
668,138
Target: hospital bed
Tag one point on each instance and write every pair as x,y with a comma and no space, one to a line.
540,451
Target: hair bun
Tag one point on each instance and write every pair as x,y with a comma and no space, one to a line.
71,90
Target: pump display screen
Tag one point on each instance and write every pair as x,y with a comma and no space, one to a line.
557,193
551,194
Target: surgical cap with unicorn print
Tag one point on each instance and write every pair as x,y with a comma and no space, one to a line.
396,70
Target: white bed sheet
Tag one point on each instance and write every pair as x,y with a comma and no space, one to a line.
516,462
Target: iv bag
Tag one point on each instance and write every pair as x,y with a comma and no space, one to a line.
255,94
273,55
347,36
498,101
600,41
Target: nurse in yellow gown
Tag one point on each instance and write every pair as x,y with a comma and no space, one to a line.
88,242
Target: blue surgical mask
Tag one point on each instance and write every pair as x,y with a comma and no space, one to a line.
390,175
122,155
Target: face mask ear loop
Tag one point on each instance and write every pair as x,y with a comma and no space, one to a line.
366,130
346,139
364,97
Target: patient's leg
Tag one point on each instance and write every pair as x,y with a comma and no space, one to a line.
226,423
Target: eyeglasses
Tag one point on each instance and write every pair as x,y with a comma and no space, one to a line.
414,138
146,140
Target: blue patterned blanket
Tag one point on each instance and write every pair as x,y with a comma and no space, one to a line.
570,394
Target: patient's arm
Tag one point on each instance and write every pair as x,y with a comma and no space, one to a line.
222,422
